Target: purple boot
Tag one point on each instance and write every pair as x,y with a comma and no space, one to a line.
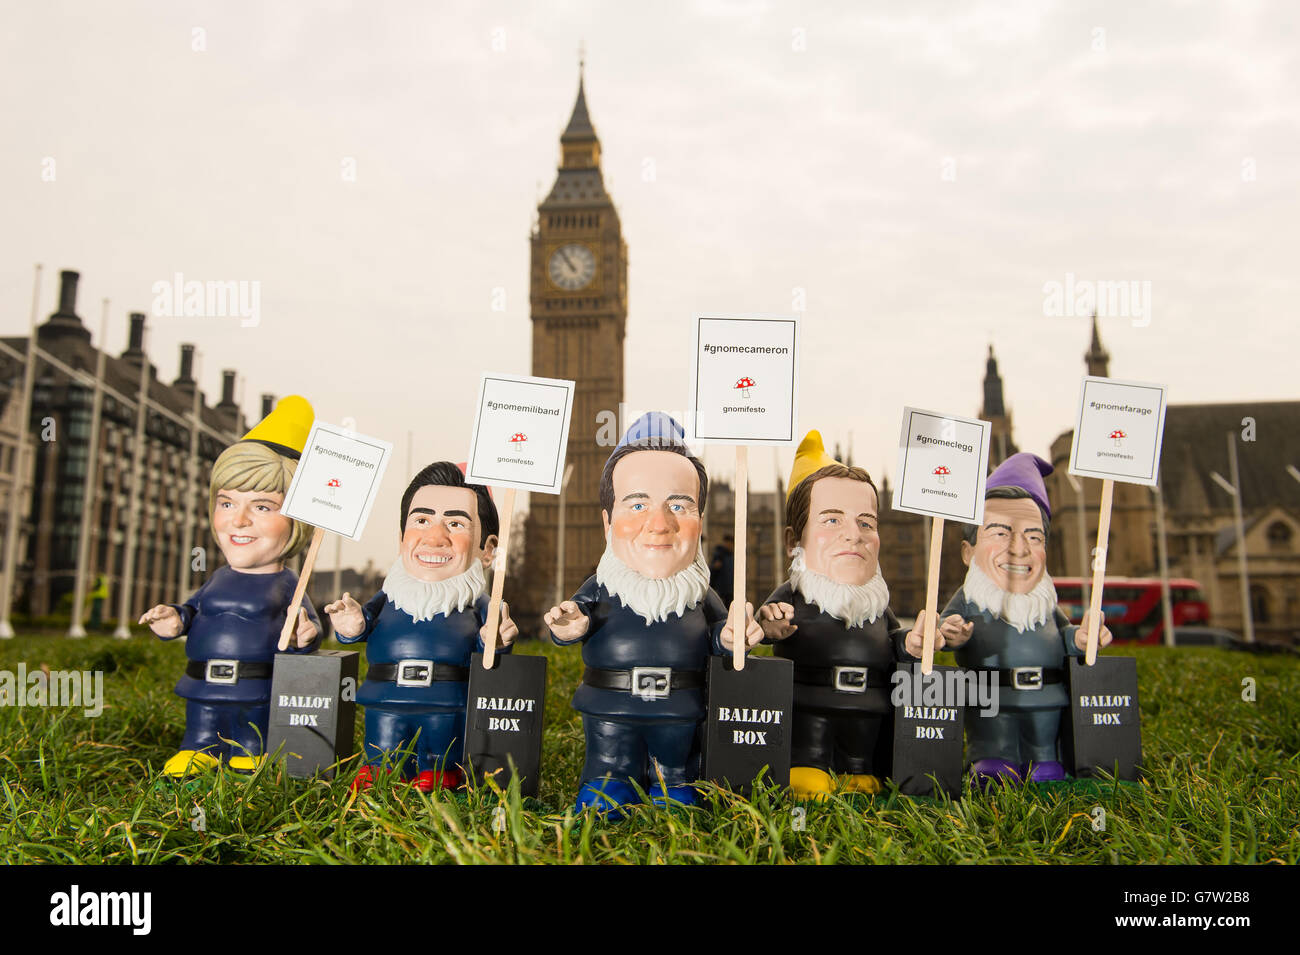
1045,772
986,773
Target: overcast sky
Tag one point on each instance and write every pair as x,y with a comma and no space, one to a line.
920,174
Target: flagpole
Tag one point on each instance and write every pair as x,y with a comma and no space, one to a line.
19,488
76,626
123,630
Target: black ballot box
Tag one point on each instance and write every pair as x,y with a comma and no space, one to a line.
504,717
748,725
313,710
1105,732
929,715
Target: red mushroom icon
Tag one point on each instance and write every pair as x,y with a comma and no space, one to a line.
517,439
1118,435
941,472
744,385
333,486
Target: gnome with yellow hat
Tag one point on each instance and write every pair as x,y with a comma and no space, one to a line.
234,620
832,619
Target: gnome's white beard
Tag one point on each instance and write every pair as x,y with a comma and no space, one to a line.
852,603
650,598
425,599
1022,611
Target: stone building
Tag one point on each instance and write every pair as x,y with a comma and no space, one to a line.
59,436
578,295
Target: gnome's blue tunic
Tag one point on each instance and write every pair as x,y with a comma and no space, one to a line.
625,732
234,616
394,714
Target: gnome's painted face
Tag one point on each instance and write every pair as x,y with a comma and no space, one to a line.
655,525
250,530
1011,547
441,537
840,537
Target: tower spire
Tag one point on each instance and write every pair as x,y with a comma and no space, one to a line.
1097,358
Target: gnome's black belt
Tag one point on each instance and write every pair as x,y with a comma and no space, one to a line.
844,679
417,673
644,681
1028,678
227,672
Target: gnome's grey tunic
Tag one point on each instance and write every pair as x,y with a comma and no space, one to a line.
1027,727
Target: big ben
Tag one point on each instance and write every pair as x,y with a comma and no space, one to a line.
578,299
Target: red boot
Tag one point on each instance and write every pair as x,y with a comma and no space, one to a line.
429,780
362,781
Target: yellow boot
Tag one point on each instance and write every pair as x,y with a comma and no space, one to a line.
189,762
246,764
810,783
861,784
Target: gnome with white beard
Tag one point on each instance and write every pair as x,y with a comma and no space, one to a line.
1013,628
648,622
422,627
832,619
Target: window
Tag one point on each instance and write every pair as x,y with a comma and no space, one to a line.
1279,537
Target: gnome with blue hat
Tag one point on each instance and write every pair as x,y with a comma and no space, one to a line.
648,622
1013,628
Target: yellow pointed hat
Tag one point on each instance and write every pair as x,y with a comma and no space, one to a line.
808,459
286,428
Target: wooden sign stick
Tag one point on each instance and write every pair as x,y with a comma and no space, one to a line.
1099,570
932,595
291,621
740,533
505,513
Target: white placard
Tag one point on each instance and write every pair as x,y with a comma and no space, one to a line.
521,432
1118,430
744,380
943,464
337,480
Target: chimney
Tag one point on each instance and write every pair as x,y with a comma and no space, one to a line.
227,388
185,379
268,404
135,343
65,322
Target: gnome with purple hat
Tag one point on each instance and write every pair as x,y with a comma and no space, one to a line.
1013,628
648,623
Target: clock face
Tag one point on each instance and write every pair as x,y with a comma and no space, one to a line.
572,267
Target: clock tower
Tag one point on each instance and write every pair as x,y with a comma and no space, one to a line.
578,296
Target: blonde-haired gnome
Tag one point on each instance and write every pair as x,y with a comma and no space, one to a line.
832,619
234,620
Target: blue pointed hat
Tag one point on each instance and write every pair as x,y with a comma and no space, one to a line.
654,429
1025,471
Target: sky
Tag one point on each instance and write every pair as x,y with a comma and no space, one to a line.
911,177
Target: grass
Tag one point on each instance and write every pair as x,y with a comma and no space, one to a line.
1222,786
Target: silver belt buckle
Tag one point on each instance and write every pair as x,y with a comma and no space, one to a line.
651,683
415,673
1026,678
850,679
225,672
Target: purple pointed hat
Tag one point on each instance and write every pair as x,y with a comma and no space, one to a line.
1025,471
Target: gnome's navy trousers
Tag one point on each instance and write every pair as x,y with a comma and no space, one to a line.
629,749
438,736
226,729
1018,736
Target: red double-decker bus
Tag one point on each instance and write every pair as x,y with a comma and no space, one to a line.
1132,605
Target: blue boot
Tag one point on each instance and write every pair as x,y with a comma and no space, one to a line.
685,795
607,795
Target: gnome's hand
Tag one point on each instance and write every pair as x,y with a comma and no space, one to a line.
507,630
346,616
776,619
567,622
306,631
1104,636
163,621
753,632
956,631
950,633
